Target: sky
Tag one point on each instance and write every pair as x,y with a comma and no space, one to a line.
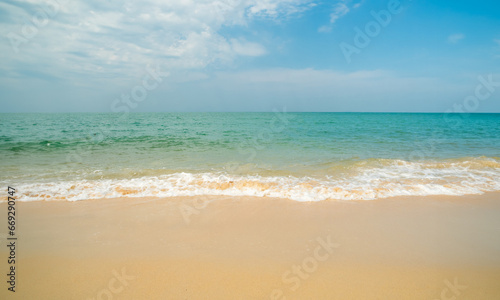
249,55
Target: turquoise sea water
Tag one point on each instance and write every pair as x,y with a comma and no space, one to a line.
300,156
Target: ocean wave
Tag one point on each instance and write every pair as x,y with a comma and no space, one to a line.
362,180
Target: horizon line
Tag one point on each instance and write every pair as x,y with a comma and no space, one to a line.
356,112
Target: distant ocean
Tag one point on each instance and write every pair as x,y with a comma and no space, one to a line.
299,156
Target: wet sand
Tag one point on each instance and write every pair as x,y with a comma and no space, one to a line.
256,248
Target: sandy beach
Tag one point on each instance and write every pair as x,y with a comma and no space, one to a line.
258,248
241,150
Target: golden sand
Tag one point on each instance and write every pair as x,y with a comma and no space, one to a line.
257,248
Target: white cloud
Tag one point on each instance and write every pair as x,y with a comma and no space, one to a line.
339,10
325,29
358,5
319,90
455,38
120,39
247,48
310,77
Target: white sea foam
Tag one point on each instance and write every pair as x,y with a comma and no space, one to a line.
365,180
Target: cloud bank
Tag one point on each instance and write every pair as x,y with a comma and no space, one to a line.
109,39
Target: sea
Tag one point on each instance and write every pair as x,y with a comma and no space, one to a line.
297,156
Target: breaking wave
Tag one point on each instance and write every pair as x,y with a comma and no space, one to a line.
362,180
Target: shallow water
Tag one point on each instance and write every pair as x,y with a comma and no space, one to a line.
300,156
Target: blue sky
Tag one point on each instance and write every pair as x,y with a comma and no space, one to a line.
249,55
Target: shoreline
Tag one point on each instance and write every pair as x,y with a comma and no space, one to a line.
250,248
